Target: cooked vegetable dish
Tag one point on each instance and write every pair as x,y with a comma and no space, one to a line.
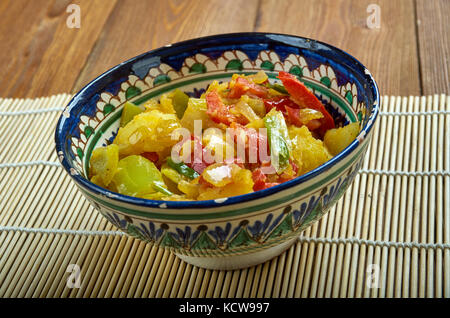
240,136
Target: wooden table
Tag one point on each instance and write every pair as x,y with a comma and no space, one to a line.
40,55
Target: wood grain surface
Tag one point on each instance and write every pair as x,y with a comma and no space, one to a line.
389,52
40,55
433,24
128,32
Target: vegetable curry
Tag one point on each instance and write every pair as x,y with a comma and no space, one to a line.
240,136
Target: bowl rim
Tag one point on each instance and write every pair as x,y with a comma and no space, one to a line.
208,204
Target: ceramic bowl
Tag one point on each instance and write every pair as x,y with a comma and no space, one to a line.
233,232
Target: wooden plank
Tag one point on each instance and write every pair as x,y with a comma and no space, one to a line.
39,54
433,20
389,52
135,27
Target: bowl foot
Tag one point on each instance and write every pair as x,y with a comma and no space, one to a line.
238,261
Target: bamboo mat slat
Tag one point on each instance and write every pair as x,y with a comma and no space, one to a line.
393,221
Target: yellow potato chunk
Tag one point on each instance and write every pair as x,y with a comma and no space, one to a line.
189,188
308,114
219,174
98,181
243,107
216,86
171,178
338,139
216,145
147,132
258,78
196,110
166,104
257,124
307,151
241,183
103,164
257,105
151,104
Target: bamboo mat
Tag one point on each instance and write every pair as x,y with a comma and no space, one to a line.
387,237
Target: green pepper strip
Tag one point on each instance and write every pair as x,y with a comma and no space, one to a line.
158,187
182,169
180,102
277,143
278,87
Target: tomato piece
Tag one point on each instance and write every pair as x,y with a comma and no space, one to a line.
243,86
305,98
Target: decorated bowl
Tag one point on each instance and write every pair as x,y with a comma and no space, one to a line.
238,231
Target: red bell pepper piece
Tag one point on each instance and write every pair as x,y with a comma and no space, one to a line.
305,98
217,110
243,86
294,117
291,112
259,181
220,112
152,156
280,103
